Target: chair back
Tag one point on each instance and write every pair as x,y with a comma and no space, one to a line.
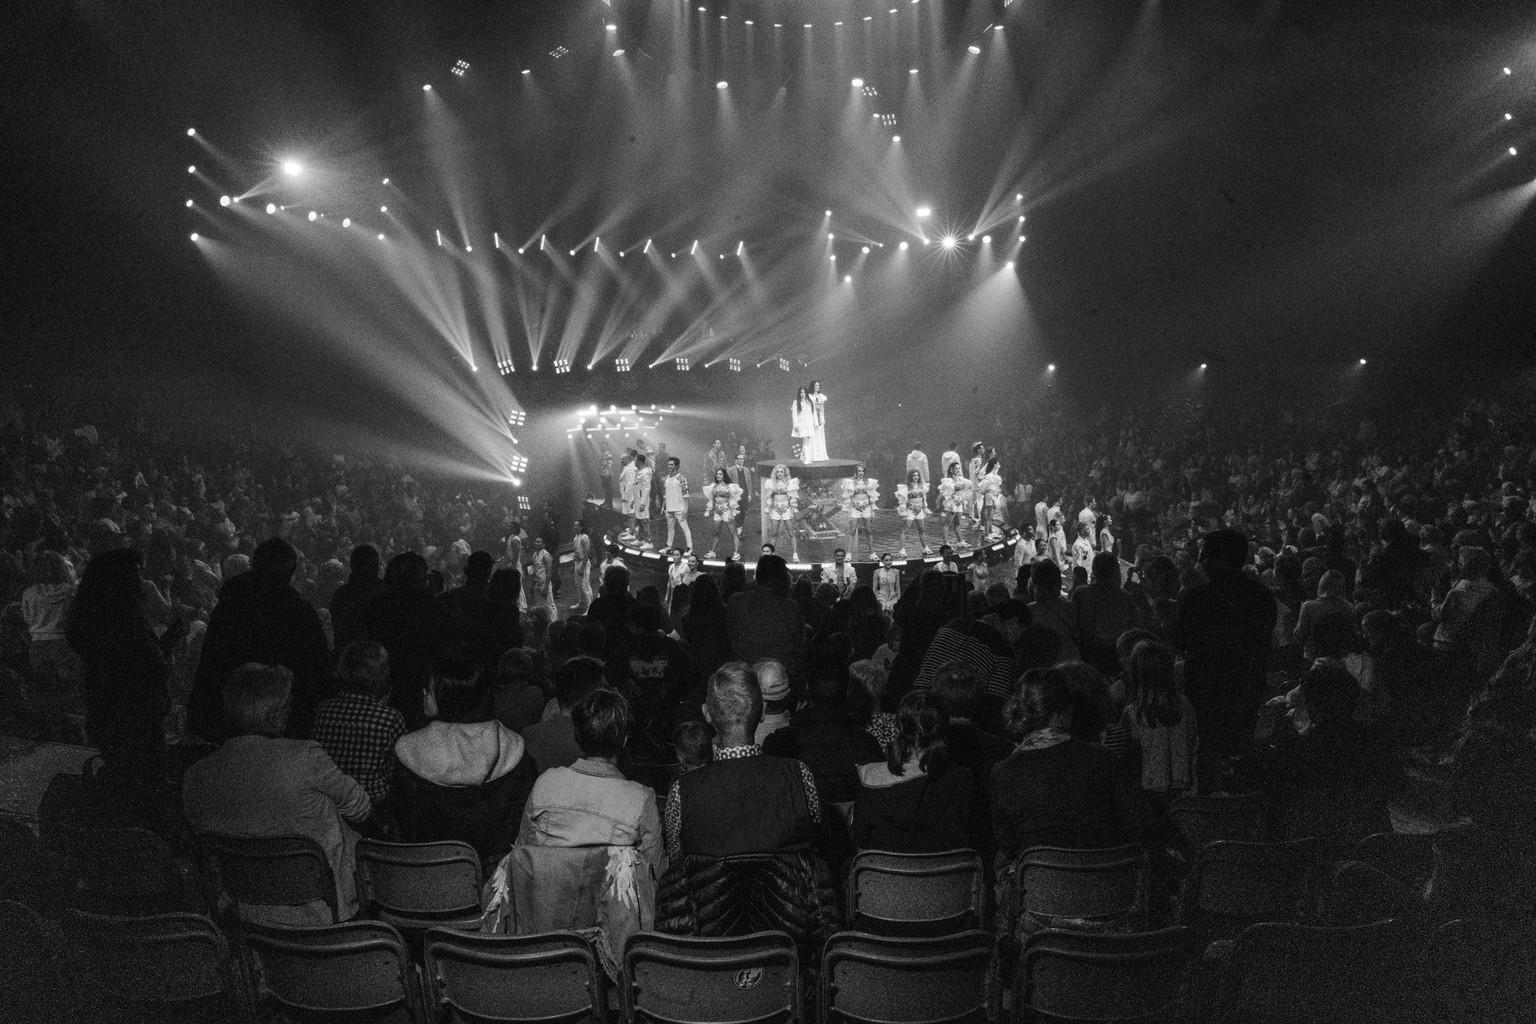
741,979
359,969
126,871
1405,856
1224,818
916,893
1338,816
280,871
870,979
551,978
1234,885
163,959
1106,976
1301,974
414,886
1101,885
34,990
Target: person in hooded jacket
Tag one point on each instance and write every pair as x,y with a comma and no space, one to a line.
463,776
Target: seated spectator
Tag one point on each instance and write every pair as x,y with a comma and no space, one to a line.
1095,715
822,734
694,744
916,800
777,699
589,851
866,693
1469,615
1159,720
261,785
764,622
358,729
961,691
44,606
744,801
516,690
464,776
1054,790
1328,607
552,742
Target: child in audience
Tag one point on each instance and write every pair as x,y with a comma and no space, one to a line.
695,745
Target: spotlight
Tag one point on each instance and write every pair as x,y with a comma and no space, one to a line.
895,138
621,365
1362,362
1050,367
459,67
902,247
346,222
469,248
1513,151
971,237
1508,72
986,239
191,168
189,203
383,209
1018,197
611,27
191,131
913,71
194,236
829,213
974,48
1008,265
925,211
847,279
313,216
386,181
292,168
223,200
271,207
748,22
682,363
517,417
619,52
1202,366
721,85
562,366
784,364
1508,116
833,258
949,242
1021,218
426,88
830,236
866,250
734,365
381,236
527,71
858,83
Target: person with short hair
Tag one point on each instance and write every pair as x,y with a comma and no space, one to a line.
552,742
841,573
639,501
581,566
259,784
694,744
917,800
358,728
764,621
541,579
675,502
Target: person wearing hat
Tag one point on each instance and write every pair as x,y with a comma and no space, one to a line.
777,705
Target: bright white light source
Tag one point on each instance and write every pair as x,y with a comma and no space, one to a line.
427,87
381,238
386,181
271,207
1362,362
895,138
527,71
971,237
1508,116
925,211
619,52
830,236
189,203
292,168
986,239
847,279
858,83
346,222
974,48
612,27
1008,265
1513,151
1050,367
866,250
912,71
383,209
1508,72
721,85
469,248
191,168
191,131
949,242
1202,366
902,247
194,236
223,200
313,216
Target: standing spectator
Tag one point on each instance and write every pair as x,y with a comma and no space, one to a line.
358,729
1224,627
353,597
654,672
764,622
414,628
1160,721
1104,611
703,627
260,618
1048,610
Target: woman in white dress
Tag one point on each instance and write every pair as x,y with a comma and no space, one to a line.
817,450
990,490
912,502
802,422
859,496
954,502
887,584
722,497
781,497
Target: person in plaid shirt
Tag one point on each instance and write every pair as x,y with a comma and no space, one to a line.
359,728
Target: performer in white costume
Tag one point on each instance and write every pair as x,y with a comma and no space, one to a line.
781,497
887,583
817,452
722,498
859,496
991,493
954,502
912,501
802,422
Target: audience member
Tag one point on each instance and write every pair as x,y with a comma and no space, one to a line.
552,742
917,800
763,622
358,729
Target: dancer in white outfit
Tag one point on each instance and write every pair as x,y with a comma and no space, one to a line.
912,499
802,422
722,497
859,496
817,451
887,583
781,497
954,502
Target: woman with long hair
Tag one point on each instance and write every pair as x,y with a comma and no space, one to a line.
859,496
989,492
802,422
1159,719
703,627
917,801
123,667
954,501
816,451
722,497
913,499
781,497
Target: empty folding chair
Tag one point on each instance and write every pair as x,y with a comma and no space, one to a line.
415,886
348,972
1300,974
742,979
916,893
1218,818
33,990
155,968
1233,885
1104,977
1103,889
267,878
553,978
870,979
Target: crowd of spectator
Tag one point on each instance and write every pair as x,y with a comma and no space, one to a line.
333,648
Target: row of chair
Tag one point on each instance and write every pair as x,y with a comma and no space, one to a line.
179,966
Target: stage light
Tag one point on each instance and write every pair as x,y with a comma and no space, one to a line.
950,241
1021,218
682,363
517,417
519,463
971,237
833,257
784,364
986,239
1018,197
847,279
912,71
1050,367
386,181
1202,366
997,28
858,83
381,236
1508,116
974,48
383,209
313,216
1508,72
522,250
271,207
527,71
459,67
1362,362
346,222
902,247
468,247
562,366
194,236
1008,265
829,213
619,52
189,203
895,138
1513,151
721,85
925,211
734,365
621,365
866,250
573,252
830,236
191,131
748,22
426,88
611,27
223,200
191,168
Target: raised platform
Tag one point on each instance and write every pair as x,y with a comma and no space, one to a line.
831,469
